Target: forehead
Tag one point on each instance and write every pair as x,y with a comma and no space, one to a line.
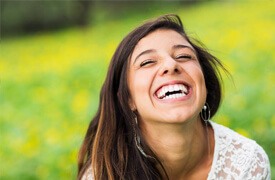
161,38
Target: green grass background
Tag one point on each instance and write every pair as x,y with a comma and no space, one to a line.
50,82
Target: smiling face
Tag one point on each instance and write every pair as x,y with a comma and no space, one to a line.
165,79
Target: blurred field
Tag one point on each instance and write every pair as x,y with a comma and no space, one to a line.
49,82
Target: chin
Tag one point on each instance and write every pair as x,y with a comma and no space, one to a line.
178,118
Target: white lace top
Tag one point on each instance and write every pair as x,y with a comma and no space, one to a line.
235,158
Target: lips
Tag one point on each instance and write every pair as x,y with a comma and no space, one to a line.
172,91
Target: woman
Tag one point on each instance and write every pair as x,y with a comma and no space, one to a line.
153,118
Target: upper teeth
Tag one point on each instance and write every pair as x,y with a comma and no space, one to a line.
171,88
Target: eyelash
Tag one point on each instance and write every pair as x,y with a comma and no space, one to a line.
185,56
144,63
149,61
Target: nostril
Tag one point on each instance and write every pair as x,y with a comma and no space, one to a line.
171,69
165,72
176,70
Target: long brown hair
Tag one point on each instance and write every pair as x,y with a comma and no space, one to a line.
109,146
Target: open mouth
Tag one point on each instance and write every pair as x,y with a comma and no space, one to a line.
172,91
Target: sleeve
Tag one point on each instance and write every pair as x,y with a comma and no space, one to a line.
260,165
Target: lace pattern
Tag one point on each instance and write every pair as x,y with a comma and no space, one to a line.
237,157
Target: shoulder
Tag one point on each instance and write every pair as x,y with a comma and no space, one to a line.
238,157
227,137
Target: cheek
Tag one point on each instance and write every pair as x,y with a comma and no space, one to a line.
139,86
200,79
195,71
196,74
203,89
201,82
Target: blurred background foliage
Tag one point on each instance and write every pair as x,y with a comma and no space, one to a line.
55,54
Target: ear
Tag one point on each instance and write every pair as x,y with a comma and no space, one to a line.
132,105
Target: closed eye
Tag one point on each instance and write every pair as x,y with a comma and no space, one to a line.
184,56
147,62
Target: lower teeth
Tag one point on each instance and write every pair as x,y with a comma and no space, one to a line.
174,96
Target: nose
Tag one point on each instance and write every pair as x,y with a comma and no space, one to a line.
170,66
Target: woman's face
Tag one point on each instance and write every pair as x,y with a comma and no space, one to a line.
165,79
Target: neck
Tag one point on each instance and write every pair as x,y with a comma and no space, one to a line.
182,149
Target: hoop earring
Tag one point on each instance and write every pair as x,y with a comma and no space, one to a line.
137,141
205,113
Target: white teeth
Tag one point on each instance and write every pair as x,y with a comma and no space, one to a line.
183,88
174,96
177,87
161,93
171,88
166,89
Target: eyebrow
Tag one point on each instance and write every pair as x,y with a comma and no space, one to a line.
144,52
179,46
